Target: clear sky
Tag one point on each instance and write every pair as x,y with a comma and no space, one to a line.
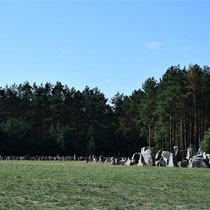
112,44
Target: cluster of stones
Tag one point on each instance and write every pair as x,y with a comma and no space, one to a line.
144,158
170,159
90,158
43,158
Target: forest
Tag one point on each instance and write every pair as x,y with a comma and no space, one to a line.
49,119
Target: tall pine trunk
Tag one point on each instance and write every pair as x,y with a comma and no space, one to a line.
149,135
195,120
170,135
181,138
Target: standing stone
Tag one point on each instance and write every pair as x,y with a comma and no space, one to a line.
204,155
171,160
141,161
122,161
208,157
115,161
159,161
200,152
189,153
176,150
147,155
111,159
165,155
90,158
101,159
158,155
128,162
176,156
135,158
143,149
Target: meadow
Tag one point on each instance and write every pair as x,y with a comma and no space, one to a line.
81,185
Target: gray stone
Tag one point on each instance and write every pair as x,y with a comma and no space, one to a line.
204,155
122,161
208,157
128,162
189,153
158,155
135,158
115,161
101,159
143,149
177,155
147,155
200,152
171,160
198,162
141,161
161,162
165,155
176,150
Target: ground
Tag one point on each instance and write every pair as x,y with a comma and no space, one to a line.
81,185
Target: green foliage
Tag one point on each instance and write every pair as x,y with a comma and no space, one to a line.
15,128
205,144
92,148
152,149
147,108
48,119
62,135
15,136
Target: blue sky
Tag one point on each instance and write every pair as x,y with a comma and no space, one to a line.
112,44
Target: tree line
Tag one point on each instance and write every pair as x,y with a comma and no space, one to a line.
52,119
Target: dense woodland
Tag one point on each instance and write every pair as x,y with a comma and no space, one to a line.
52,119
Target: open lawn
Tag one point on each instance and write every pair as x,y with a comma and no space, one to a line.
80,185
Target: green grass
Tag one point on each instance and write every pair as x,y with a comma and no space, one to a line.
80,185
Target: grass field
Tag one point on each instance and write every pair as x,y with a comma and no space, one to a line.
80,185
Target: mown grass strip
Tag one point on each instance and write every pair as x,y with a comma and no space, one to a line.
80,185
